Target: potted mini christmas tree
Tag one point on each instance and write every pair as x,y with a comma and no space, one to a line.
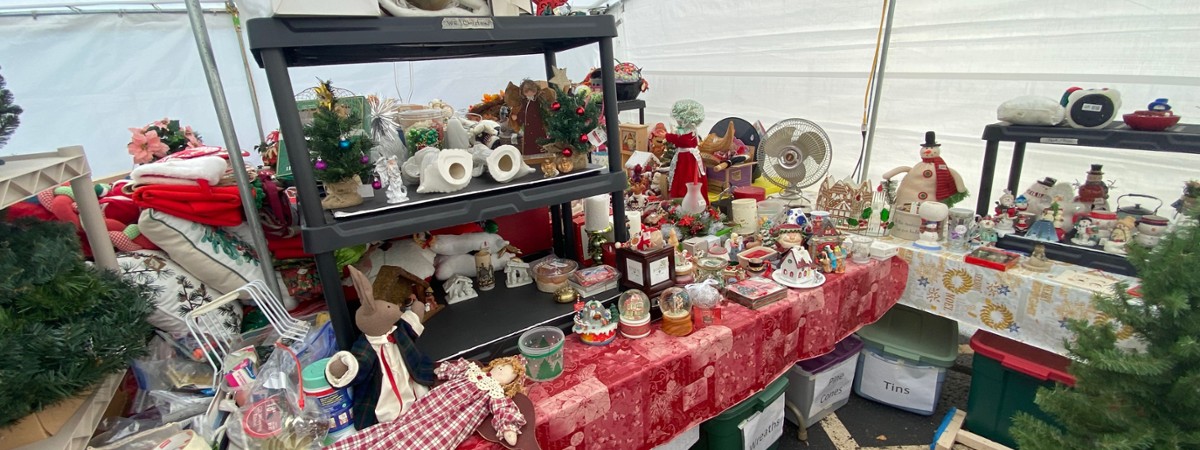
569,118
1143,398
339,149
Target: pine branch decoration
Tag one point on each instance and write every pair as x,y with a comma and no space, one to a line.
336,143
1125,398
9,113
64,326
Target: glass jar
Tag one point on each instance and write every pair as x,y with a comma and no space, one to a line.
860,251
710,268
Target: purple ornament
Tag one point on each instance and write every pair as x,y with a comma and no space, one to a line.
377,184
321,165
365,159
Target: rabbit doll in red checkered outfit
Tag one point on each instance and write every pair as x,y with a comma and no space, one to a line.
453,410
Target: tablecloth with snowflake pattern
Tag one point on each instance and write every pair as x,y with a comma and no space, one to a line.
636,394
1020,304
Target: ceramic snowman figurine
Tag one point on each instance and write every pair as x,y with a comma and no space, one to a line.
1150,230
1085,233
987,232
929,180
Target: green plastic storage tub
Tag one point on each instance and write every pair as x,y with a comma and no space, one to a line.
1006,375
904,359
722,432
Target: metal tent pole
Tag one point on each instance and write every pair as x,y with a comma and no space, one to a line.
200,32
232,9
876,90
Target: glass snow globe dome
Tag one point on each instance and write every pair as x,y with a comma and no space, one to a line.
675,302
634,306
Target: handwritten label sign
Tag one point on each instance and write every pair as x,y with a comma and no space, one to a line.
832,386
899,383
467,23
763,428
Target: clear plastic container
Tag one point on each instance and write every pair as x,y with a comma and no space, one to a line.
428,117
542,348
552,274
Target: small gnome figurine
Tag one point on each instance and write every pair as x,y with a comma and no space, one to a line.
931,179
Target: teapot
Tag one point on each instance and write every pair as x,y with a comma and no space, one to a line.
1137,211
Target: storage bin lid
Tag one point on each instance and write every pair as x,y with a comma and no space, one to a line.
1023,358
735,415
915,335
847,348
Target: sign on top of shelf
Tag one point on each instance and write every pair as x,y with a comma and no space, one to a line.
467,23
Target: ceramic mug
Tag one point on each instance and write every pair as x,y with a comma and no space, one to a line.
796,216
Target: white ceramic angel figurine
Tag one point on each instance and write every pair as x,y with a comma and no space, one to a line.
388,171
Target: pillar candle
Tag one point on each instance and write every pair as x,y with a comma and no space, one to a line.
745,215
635,222
595,212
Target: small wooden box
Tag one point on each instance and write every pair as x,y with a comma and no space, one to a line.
734,176
650,271
633,137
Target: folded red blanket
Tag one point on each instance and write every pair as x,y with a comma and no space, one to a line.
217,206
287,248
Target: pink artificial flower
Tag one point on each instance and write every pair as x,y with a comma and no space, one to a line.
137,147
192,140
145,146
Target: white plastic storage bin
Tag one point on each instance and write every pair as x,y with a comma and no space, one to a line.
821,385
904,359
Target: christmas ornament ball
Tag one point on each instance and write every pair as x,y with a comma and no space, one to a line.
566,152
579,110
365,159
555,106
583,138
344,143
320,165
376,184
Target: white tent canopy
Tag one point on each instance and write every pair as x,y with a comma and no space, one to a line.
86,78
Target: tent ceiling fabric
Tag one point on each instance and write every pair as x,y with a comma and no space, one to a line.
86,79
950,65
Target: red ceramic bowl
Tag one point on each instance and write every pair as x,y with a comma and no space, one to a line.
1150,120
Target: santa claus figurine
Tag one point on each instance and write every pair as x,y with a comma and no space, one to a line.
929,180
686,165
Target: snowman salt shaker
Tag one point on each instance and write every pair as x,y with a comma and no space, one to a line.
1104,221
1150,230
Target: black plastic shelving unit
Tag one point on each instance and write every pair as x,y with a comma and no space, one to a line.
630,105
281,43
1181,138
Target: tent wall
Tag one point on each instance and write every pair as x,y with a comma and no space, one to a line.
86,79
950,65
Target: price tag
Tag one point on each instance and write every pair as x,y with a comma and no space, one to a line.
467,23
597,137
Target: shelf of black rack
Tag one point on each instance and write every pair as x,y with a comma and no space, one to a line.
630,105
281,43
1071,254
1181,138
495,320
482,199
319,41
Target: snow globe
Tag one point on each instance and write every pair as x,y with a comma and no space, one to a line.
634,308
706,301
677,311
594,324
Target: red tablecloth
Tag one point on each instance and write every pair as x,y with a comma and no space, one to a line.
639,393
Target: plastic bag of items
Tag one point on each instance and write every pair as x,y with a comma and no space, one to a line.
276,415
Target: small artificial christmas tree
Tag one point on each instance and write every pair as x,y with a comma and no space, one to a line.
340,151
1125,398
9,113
64,326
569,119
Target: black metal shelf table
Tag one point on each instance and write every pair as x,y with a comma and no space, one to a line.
1182,138
281,43
630,105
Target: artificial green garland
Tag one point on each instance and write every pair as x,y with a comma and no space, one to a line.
64,326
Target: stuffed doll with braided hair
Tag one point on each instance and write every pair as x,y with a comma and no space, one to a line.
454,409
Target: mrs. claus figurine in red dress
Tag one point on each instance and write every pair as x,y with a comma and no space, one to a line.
453,410
686,165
